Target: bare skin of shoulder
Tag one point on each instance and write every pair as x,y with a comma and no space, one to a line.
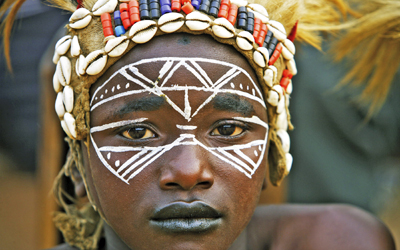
309,227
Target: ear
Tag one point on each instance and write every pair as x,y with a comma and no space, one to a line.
79,185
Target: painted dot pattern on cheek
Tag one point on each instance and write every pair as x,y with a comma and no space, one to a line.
238,156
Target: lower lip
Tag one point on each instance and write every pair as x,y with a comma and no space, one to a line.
187,225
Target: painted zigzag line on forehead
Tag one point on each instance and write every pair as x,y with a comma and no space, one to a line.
171,59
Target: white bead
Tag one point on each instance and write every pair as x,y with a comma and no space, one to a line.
275,70
285,139
116,46
171,22
277,34
71,124
59,105
289,88
143,31
273,98
68,98
63,45
258,8
281,105
75,47
81,64
290,46
103,6
277,25
281,121
286,53
259,59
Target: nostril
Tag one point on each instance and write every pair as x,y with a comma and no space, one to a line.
171,184
204,184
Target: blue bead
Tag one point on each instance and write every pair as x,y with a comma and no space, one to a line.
153,1
242,15
165,9
117,14
215,4
143,2
213,12
196,4
119,30
144,15
164,2
250,27
241,23
242,9
250,20
117,22
154,6
204,8
144,7
155,13
250,15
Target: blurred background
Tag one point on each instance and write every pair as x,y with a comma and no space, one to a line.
339,156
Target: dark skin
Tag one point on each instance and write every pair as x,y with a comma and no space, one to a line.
190,174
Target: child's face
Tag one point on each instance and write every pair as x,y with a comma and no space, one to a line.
178,144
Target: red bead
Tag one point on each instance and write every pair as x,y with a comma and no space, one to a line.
185,1
134,10
133,3
232,14
257,28
108,32
262,34
134,18
123,7
285,73
107,25
176,6
187,8
274,56
285,82
223,11
105,17
226,3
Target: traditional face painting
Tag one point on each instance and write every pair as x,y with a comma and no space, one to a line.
162,84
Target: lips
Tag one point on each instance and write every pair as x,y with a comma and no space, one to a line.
181,217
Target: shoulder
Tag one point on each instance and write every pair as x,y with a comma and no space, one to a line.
63,247
321,227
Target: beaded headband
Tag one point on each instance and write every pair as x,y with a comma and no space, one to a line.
124,24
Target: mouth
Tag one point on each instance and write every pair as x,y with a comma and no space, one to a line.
181,217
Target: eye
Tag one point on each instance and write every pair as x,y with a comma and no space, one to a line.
227,130
137,133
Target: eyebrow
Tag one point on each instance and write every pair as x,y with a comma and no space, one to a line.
149,103
233,103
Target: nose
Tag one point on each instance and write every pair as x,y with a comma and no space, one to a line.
187,168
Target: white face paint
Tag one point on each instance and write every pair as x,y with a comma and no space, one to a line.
140,157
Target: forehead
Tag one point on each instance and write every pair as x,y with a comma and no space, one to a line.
168,76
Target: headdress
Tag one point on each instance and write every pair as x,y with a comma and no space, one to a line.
101,32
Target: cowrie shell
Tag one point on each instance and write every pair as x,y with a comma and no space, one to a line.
223,28
281,121
278,34
56,57
263,18
65,128
63,71
239,3
258,8
289,162
68,94
285,139
273,98
59,105
80,19
268,77
289,88
171,22
291,66
63,45
117,46
143,31
281,105
197,21
261,56
277,25
275,70
103,6
95,62
80,65
286,53
278,89
245,40
71,124
56,83
290,46
75,47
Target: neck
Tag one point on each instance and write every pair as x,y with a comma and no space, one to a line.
113,241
